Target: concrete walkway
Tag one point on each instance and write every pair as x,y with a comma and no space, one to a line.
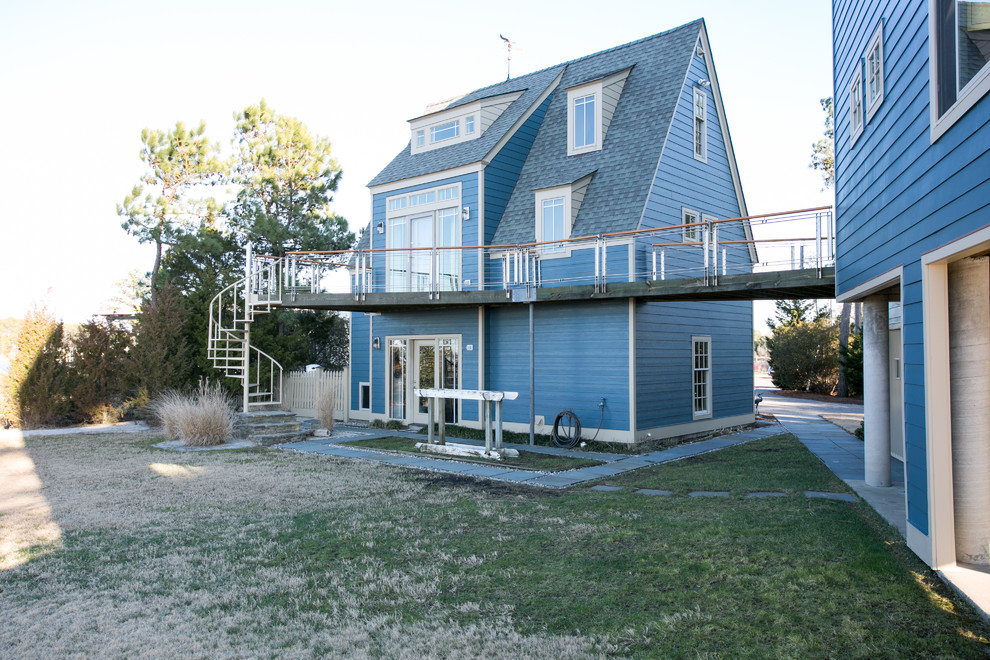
841,452
613,464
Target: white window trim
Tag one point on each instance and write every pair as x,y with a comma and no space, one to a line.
876,45
684,231
966,98
707,413
545,195
414,211
699,94
458,114
410,395
574,93
361,386
855,130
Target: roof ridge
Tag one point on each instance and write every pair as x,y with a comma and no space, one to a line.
697,21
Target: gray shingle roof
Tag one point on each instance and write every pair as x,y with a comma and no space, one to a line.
406,165
625,166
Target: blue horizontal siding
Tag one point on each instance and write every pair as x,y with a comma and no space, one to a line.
899,196
683,182
664,359
469,228
581,356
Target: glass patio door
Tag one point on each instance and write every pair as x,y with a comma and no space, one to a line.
435,366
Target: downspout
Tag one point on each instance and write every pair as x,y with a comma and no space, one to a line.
532,379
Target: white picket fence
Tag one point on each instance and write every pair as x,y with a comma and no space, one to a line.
302,391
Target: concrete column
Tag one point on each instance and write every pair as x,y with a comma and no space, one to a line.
969,391
876,390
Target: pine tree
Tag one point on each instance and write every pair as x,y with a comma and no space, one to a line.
34,389
162,357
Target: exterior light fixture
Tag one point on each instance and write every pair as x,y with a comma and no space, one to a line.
703,83
376,343
380,227
466,213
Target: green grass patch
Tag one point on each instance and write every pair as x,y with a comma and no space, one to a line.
277,554
527,460
778,463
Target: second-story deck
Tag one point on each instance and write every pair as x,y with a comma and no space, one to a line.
680,262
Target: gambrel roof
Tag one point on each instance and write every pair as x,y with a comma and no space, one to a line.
625,166
406,165
622,172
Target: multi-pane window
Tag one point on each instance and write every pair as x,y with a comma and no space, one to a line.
702,376
416,224
584,121
397,369
700,124
553,223
874,73
420,138
691,233
469,124
856,104
446,131
962,35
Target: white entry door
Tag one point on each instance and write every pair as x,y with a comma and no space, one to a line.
435,364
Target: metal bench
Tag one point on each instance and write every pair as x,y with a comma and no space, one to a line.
488,396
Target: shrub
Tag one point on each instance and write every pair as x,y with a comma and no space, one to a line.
34,388
805,356
99,355
324,408
202,419
161,358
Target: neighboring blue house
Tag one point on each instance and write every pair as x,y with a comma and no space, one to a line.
912,142
625,139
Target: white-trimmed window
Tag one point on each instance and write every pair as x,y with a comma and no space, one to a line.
584,119
874,73
420,138
553,220
701,377
364,396
856,104
469,124
959,59
700,125
690,217
446,131
416,222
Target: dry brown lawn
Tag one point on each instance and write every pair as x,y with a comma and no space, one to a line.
110,548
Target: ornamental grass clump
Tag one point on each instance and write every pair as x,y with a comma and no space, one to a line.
324,409
204,418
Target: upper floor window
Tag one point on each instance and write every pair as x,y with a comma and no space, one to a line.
959,59
874,73
584,119
445,131
420,138
692,231
700,125
856,104
469,124
417,222
553,218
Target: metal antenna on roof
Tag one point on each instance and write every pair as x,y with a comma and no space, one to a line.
508,56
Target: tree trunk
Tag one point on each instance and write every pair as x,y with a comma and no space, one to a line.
842,389
859,316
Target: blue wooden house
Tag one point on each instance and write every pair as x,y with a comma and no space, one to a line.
627,139
912,118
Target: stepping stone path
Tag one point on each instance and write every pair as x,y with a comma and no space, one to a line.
613,464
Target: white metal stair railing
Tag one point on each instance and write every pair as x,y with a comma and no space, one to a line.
228,346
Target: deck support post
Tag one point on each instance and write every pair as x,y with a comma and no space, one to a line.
876,390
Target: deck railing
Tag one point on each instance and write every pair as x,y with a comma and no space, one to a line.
703,251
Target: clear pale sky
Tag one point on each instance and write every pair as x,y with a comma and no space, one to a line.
79,80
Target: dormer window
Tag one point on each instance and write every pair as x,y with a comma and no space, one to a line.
447,131
461,123
590,107
556,211
584,119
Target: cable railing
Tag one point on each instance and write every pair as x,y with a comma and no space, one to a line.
703,251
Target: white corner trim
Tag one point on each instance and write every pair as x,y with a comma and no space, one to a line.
727,141
938,422
967,245
632,363
873,285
